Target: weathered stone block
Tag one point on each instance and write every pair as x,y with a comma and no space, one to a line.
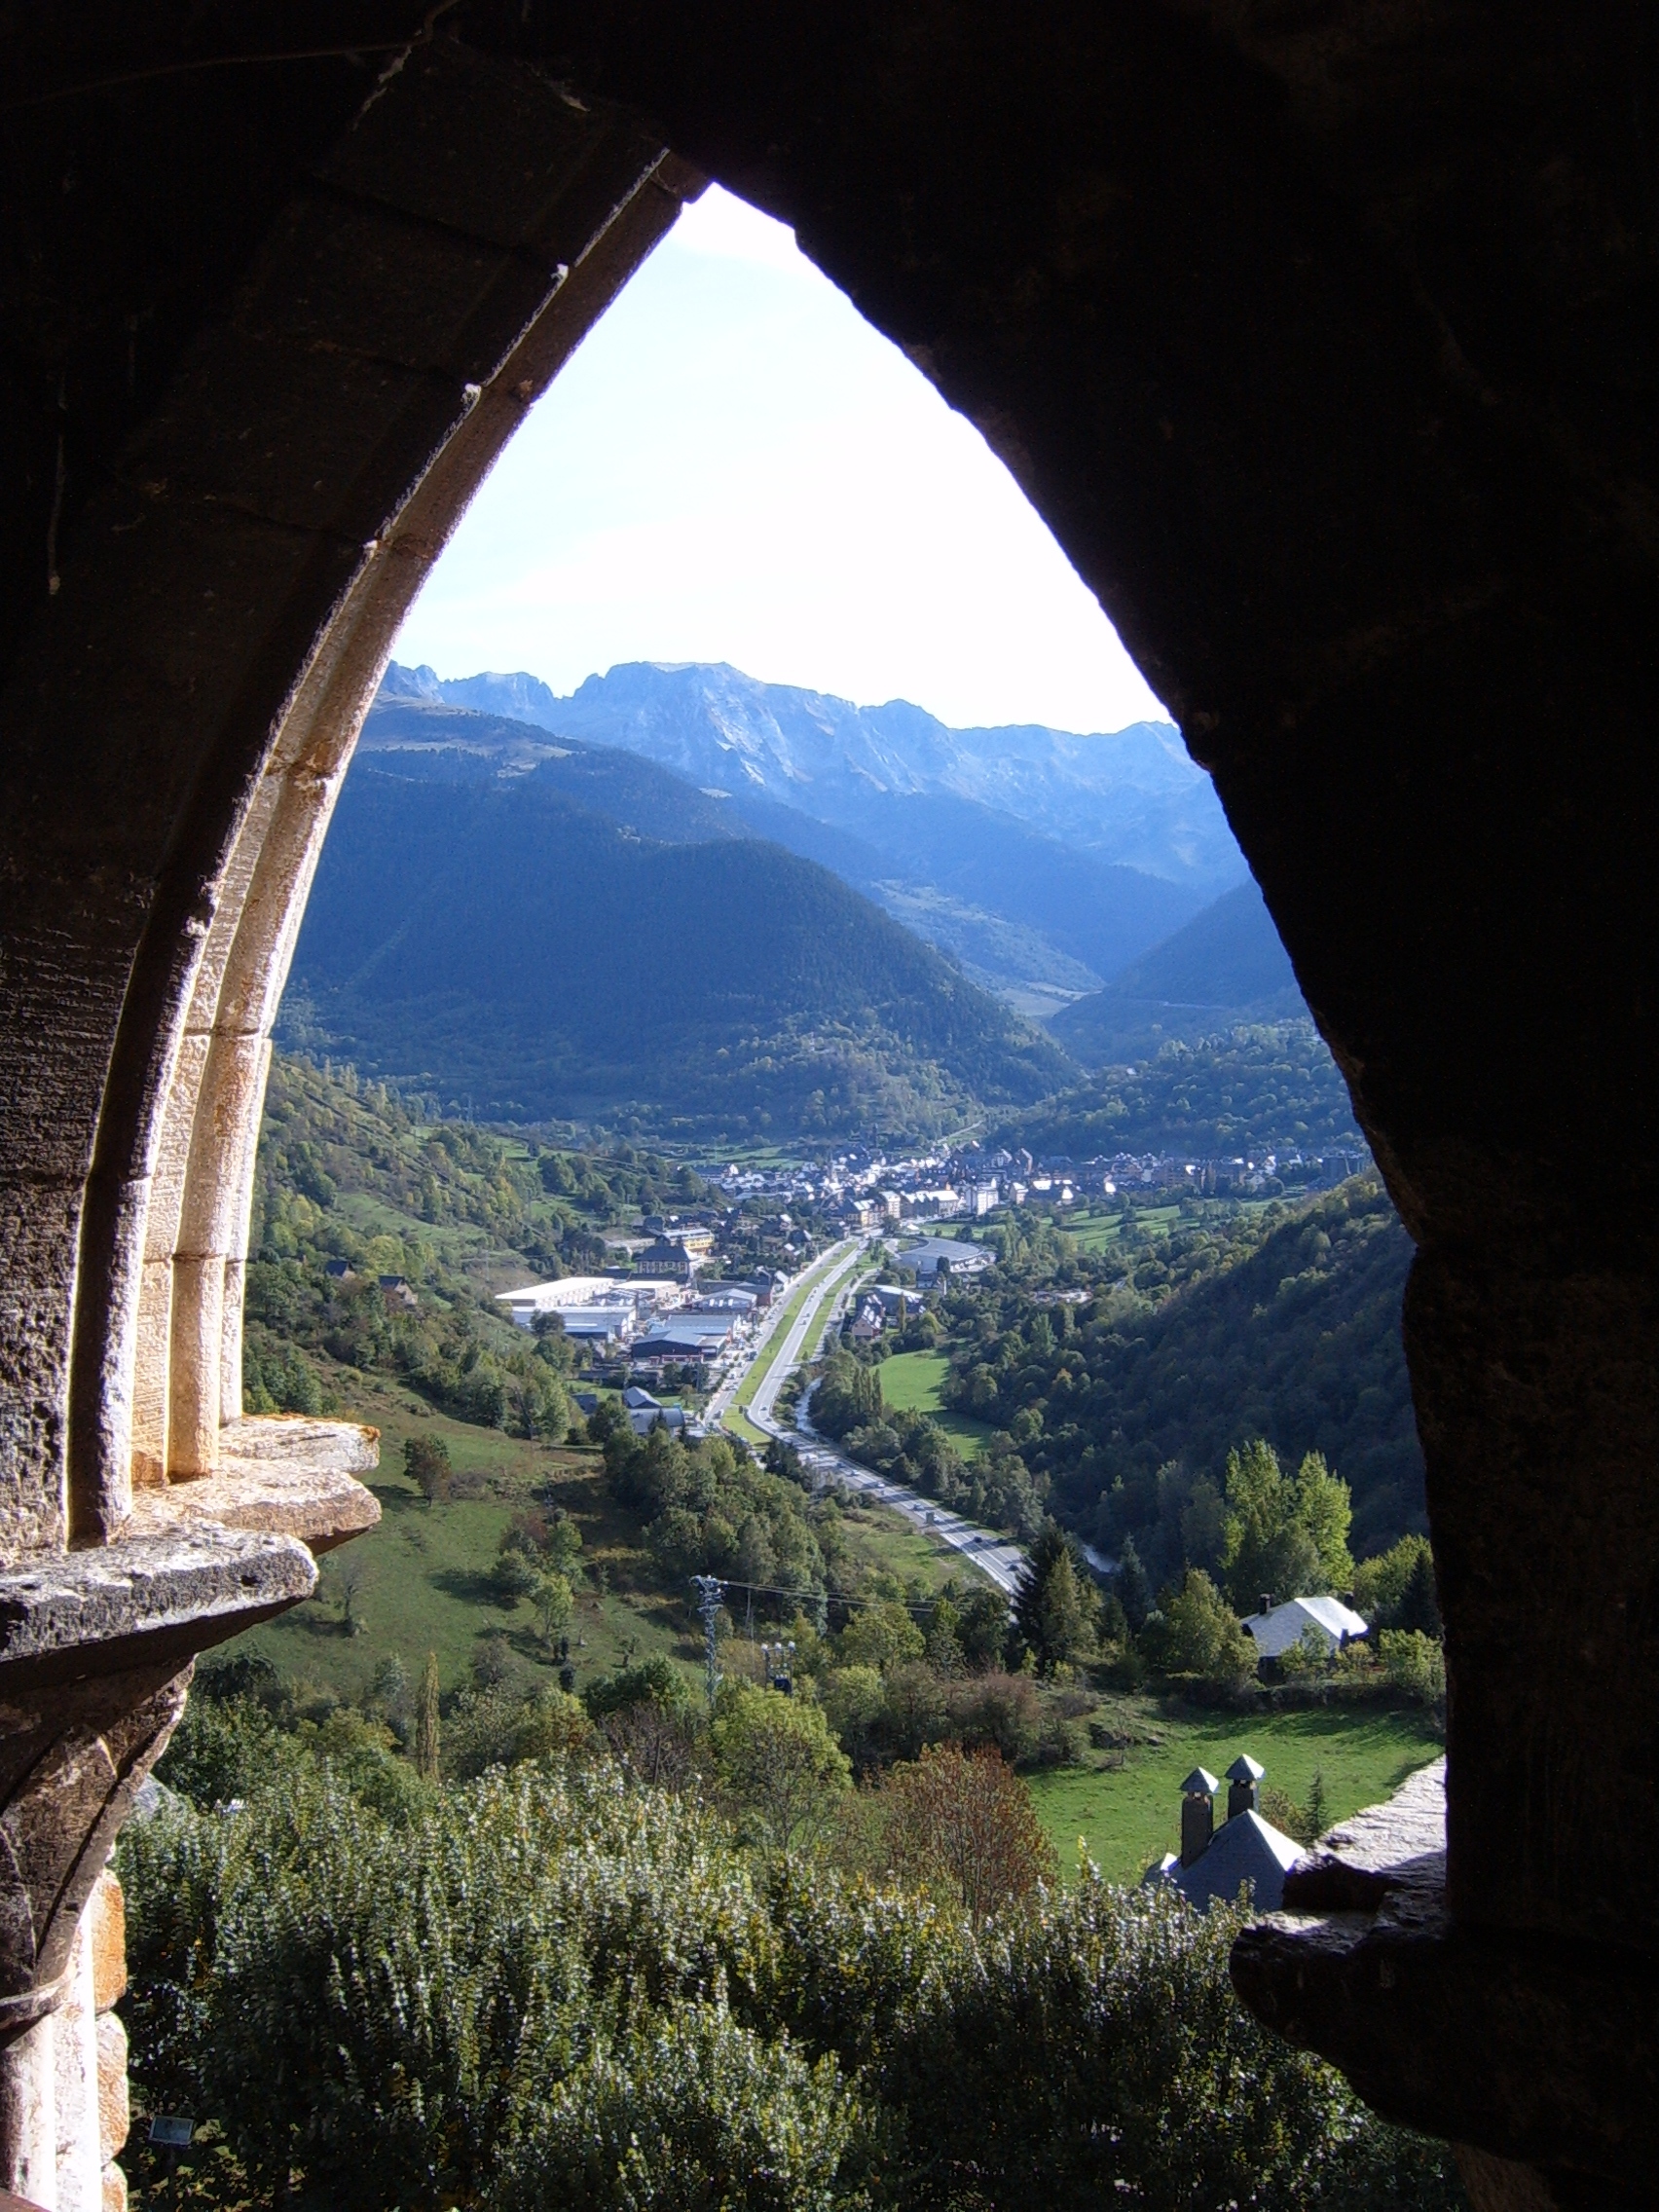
115,2117
496,153
370,280
104,1921
91,1612
317,441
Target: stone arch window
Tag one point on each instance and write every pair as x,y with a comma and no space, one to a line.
1323,340
225,609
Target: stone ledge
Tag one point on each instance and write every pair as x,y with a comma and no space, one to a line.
153,1597
296,1440
279,1474
1531,2048
1382,1852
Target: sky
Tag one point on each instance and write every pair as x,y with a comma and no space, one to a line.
735,467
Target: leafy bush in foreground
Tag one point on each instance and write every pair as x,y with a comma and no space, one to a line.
554,1986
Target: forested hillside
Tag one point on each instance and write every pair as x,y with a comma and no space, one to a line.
1223,967
1284,1325
495,942
347,1174
1235,1094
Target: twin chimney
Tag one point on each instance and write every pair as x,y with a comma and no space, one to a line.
1197,1803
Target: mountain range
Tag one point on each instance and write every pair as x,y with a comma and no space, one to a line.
1042,860
573,939
568,919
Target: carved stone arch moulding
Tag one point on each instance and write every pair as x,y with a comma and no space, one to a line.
155,1387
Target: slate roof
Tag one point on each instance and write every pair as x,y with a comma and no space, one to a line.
1246,1849
1279,1631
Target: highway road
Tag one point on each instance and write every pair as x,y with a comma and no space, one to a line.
998,1558
814,1316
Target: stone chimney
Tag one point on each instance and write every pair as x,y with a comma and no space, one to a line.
1244,1778
1267,1603
1198,1814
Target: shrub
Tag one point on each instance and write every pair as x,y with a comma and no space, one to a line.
1413,1662
549,1986
426,1463
964,1822
512,1578
651,1681
1308,1659
686,2113
1003,1710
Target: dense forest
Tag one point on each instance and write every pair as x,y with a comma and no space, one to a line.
1238,1092
1225,967
499,942
1282,1324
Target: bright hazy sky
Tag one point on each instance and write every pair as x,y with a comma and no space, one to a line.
735,467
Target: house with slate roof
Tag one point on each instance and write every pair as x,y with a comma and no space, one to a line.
1216,1863
1278,1629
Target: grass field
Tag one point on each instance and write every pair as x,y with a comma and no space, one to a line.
1094,1230
887,1542
1128,1818
910,1383
421,1576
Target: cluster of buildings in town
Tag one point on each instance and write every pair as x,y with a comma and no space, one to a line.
663,1313
871,1192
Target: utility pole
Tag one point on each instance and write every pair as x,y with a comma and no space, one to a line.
709,1591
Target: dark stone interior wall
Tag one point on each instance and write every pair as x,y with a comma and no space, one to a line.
1324,337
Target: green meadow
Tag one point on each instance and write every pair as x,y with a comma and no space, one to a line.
1126,1814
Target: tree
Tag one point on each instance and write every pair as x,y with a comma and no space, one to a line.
1200,1635
512,1578
1134,1591
426,1723
1318,1810
981,1628
426,1463
943,1653
351,1590
1266,1551
880,1636
1418,1607
1380,1583
964,1822
1323,1508
779,1763
1309,1658
1055,1605
554,1602
1204,1524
